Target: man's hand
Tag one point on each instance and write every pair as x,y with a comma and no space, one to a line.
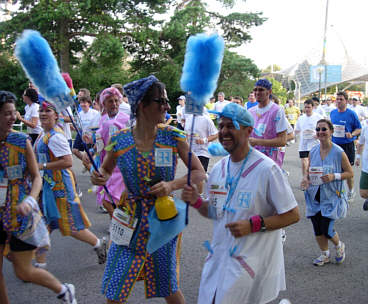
239,228
99,179
161,189
252,141
190,194
348,135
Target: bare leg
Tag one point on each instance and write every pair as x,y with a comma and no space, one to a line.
22,262
3,292
322,242
364,193
176,298
305,164
335,240
350,182
86,236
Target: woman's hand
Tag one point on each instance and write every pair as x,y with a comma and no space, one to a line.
19,117
328,178
23,208
305,183
99,179
190,194
161,189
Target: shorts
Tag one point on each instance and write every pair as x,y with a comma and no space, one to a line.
204,161
15,244
78,144
323,225
349,149
363,181
303,154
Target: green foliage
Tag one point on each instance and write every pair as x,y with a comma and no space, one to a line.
274,68
279,90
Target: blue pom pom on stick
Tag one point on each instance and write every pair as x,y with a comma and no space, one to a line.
40,66
202,66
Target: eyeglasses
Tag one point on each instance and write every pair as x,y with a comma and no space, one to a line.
259,90
162,101
321,129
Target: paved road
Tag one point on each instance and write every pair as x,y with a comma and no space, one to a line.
75,262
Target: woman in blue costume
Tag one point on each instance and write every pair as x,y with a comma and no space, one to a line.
325,198
137,152
21,223
60,202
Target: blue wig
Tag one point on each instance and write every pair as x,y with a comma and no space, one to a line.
40,66
202,66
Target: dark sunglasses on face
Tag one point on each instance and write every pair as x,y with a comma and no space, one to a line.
162,100
321,129
259,89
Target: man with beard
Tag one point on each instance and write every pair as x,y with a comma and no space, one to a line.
249,201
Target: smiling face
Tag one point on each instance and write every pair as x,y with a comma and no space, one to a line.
48,117
7,117
341,102
323,131
111,105
155,109
233,140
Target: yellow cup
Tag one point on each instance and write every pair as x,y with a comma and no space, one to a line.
165,208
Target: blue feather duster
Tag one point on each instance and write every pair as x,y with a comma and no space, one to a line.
202,66
216,149
40,66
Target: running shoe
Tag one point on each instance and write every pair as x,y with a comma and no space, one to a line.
69,296
102,209
340,253
365,205
351,196
321,260
101,251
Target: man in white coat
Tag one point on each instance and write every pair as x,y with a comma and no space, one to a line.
250,200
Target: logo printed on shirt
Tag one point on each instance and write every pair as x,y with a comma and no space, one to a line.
244,199
261,128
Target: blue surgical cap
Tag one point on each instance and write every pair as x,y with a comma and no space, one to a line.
238,114
264,83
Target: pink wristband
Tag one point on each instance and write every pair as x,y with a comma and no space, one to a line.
198,203
256,223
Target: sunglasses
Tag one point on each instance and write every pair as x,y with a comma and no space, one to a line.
162,101
321,129
259,90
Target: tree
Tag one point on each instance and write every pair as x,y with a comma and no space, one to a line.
66,23
279,90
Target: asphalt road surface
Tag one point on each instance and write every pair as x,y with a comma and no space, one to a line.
75,262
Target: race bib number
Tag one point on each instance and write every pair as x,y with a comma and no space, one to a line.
14,172
339,131
315,174
163,157
121,231
308,134
3,191
218,200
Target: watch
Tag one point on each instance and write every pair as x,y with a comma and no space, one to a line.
44,166
263,227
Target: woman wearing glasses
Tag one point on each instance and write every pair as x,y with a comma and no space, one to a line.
135,153
325,197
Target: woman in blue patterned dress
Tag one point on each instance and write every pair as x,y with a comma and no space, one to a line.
136,152
21,222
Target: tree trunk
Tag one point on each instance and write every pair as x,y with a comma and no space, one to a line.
64,46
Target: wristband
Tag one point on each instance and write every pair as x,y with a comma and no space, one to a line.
337,176
31,201
255,222
198,203
357,156
205,140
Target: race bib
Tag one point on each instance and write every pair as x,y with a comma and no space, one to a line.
121,231
218,200
339,131
291,116
163,157
308,134
3,191
315,174
14,172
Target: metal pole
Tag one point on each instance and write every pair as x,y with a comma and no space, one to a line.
323,61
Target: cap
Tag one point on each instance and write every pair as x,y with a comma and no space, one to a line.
238,114
181,97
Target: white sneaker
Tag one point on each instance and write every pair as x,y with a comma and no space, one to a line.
321,260
69,296
101,251
351,196
340,253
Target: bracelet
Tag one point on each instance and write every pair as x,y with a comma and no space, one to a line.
198,203
31,201
255,222
337,176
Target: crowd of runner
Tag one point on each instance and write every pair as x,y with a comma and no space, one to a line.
131,145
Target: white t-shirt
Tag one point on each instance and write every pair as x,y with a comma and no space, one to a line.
33,111
328,109
125,108
282,123
319,110
180,113
306,125
66,125
219,105
58,144
360,111
203,128
363,140
264,191
90,119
